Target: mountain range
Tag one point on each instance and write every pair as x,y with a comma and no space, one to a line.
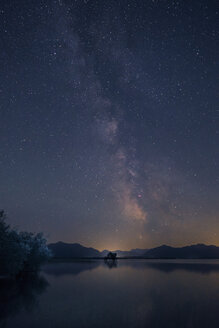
198,251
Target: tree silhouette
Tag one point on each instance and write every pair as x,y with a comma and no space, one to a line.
20,251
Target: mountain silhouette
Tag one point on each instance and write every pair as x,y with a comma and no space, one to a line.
187,252
67,250
199,251
61,249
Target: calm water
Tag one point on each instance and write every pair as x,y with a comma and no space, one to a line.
132,293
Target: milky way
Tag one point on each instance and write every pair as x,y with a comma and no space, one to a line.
108,121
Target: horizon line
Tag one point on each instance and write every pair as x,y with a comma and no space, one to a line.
122,250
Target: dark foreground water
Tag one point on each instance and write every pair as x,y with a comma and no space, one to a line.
129,293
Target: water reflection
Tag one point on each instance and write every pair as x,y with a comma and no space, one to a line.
16,295
70,268
137,294
110,263
77,267
165,266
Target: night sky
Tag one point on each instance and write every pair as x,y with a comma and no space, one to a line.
108,121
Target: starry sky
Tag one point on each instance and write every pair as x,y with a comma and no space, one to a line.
108,115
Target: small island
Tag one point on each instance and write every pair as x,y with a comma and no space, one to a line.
110,256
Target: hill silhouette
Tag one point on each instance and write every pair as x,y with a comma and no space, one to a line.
65,250
198,251
188,252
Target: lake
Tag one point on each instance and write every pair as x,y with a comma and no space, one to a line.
128,293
